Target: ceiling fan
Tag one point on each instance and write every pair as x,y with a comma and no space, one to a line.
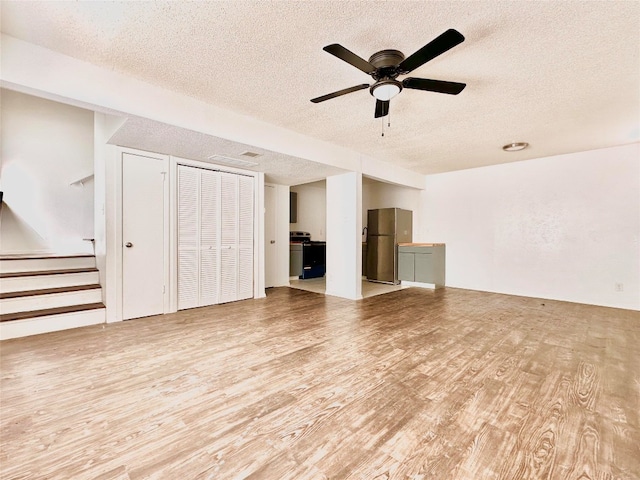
386,65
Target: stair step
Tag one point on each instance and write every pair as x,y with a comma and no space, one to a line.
36,273
21,256
48,291
50,298
49,311
22,324
22,264
14,282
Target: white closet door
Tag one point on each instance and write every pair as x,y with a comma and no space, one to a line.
228,237
209,237
215,237
188,237
245,237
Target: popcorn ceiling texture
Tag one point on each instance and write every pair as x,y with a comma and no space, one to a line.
158,137
563,76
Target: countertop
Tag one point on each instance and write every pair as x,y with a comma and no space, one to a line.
421,244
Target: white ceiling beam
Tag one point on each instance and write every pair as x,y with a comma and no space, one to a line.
39,71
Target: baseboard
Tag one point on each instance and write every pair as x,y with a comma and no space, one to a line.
431,286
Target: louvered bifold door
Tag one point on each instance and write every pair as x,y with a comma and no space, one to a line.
188,237
228,237
209,237
245,237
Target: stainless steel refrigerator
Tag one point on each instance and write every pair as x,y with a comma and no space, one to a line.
386,227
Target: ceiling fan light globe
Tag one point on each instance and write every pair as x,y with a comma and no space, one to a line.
386,90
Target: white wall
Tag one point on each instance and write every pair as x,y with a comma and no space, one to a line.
312,209
385,195
45,147
565,227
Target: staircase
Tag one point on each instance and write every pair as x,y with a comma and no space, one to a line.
41,294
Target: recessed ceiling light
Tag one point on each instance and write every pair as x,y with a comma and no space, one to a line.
515,146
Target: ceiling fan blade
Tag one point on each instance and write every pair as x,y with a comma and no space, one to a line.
440,86
431,50
350,57
382,108
329,96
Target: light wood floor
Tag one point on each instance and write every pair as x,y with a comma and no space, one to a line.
413,385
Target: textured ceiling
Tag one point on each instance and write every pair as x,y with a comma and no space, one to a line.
144,134
563,76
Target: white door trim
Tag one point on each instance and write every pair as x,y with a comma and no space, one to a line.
270,246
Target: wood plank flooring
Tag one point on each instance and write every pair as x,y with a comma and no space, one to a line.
413,385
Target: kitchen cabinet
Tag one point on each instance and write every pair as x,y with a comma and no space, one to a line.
422,263
307,260
295,260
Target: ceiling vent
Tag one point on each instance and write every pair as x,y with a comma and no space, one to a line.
250,154
232,161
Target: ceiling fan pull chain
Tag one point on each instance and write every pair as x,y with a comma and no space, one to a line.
383,126
389,119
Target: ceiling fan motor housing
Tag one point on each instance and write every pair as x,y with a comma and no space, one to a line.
386,63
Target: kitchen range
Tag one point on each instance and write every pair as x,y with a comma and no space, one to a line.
307,257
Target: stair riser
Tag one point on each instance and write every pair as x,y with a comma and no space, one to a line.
54,300
21,284
51,323
37,264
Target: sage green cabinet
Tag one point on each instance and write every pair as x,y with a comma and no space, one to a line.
423,264
295,259
406,265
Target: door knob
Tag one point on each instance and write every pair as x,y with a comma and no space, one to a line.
128,244
273,241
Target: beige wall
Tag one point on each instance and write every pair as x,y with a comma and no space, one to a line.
386,195
312,209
